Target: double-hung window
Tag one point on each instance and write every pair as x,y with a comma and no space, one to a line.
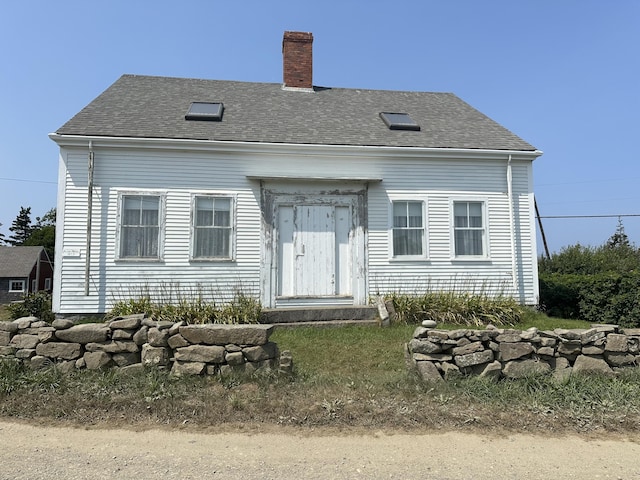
212,227
140,226
17,285
408,229
469,229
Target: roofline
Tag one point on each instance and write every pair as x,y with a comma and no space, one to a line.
306,148
38,254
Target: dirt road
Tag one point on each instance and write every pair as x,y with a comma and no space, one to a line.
31,452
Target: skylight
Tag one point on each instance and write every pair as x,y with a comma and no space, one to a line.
205,111
399,121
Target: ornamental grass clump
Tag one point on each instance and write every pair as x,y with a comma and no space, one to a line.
456,308
172,303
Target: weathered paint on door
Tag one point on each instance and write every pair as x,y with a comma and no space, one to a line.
314,245
314,251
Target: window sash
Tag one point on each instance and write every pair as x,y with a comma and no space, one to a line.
408,228
469,231
17,286
140,226
213,229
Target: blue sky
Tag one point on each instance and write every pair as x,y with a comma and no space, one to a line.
562,75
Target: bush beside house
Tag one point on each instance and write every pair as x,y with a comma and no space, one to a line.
596,284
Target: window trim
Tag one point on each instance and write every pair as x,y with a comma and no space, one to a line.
232,221
161,224
425,239
485,229
47,283
17,280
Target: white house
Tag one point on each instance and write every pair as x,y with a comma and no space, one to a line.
297,194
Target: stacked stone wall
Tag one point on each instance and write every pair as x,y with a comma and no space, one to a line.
135,342
495,353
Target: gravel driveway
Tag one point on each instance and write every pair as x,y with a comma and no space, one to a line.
32,452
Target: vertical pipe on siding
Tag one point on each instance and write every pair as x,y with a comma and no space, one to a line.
511,223
87,265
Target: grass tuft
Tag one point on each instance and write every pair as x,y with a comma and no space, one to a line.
174,304
470,309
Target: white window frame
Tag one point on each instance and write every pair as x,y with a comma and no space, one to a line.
486,255
21,281
425,253
47,283
161,225
232,227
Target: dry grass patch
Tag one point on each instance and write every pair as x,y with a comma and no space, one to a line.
4,313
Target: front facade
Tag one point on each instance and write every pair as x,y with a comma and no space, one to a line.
294,194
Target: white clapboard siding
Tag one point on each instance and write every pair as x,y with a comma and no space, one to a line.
437,183
178,175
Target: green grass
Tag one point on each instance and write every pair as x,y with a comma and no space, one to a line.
349,354
4,313
532,318
345,378
373,356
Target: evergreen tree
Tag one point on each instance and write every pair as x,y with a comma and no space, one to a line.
2,239
620,238
21,227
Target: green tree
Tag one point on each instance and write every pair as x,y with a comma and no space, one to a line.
21,227
44,233
47,220
619,239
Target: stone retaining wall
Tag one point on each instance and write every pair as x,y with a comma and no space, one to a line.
495,353
135,342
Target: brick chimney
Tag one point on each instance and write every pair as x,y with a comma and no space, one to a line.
297,59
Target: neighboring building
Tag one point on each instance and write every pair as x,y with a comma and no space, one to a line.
294,193
23,270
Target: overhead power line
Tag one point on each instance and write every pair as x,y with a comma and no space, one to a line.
25,180
591,216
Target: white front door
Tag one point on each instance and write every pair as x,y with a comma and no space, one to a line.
314,252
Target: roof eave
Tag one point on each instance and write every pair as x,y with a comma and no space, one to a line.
65,140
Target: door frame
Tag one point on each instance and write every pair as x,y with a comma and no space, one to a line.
274,195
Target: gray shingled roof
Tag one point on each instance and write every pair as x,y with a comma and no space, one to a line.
17,262
154,107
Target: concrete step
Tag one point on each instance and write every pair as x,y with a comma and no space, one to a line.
314,315
329,324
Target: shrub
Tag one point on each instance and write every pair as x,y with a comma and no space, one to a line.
596,284
36,304
581,260
560,294
611,298
457,308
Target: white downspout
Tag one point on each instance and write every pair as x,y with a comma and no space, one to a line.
87,265
511,224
